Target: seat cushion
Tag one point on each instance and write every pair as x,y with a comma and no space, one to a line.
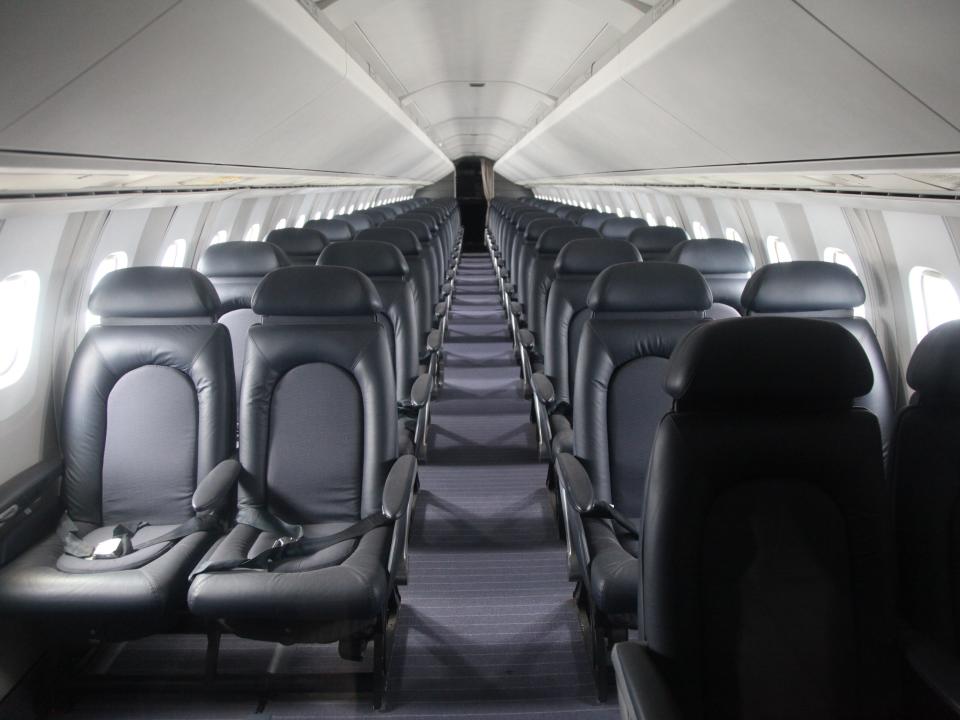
118,603
337,586
614,571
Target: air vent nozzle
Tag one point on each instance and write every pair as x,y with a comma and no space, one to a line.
478,84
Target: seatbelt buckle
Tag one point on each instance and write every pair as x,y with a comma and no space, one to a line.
285,540
108,549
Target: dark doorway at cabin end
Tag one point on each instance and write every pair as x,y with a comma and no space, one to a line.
472,201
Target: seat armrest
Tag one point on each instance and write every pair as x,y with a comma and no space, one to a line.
29,505
440,309
526,339
398,486
421,390
516,308
935,668
576,480
217,486
542,388
641,688
433,341
504,273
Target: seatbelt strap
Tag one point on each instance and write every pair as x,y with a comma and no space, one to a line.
603,510
288,547
74,545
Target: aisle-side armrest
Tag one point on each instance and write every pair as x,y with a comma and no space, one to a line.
641,687
217,486
576,480
398,486
543,388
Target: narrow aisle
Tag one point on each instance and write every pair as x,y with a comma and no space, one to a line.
488,625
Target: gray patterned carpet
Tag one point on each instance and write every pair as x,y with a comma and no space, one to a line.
488,627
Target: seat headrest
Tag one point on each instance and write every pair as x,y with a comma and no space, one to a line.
154,293
298,242
619,228
802,286
656,240
553,239
316,291
782,363
356,222
241,259
372,258
333,230
589,257
714,256
595,219
402,238
417,227
538,226
649,287
934,370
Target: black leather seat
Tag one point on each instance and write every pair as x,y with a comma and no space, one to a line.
726,265
318,446
356,221
926,471
385,266
813,288
302,245
235,269
420,268
527,257
576,267
639,313
619,228
767,587
656,242
147,427
594,219
332,229
541,273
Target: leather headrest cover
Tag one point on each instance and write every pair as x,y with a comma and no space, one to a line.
589,257
154,292
298,241
934,369
802,286
779,362
714,256
649,287
333,230
372,258
528,216
618,228
538,226
241,259
553,239
656,239
402,238
356,221
417,227
595,219
316,291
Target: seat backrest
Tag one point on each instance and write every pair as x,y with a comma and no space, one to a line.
333,230
814,288
639,312
576,267
528,254
429,248
386,268
518,237
235,269
301,245
926,470
420,268
656,242
318,420
767,566
594,219
619,228
726,265
541,273
377,216
149,401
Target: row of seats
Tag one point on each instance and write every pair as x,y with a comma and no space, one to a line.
406,272
610,326
270,497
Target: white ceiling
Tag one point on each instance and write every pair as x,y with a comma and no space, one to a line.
527,52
